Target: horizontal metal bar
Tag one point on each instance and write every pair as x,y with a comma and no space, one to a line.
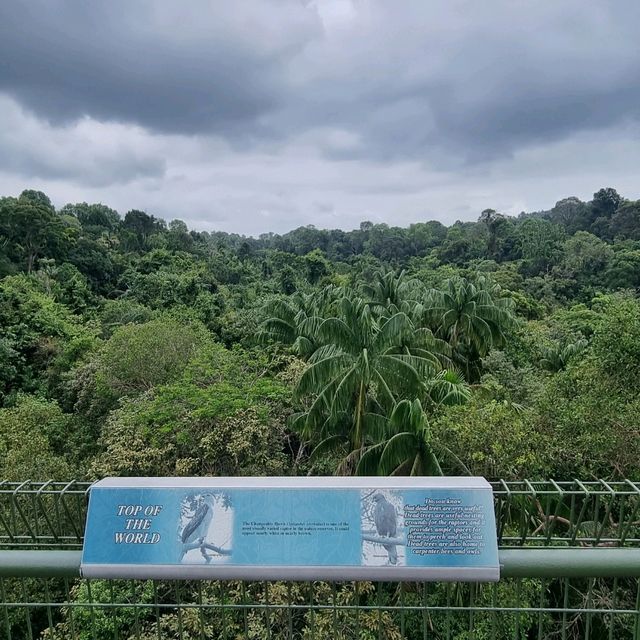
514,563
569,562
40,564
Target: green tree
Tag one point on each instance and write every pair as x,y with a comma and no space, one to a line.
572,213
626,221
137,228
34,229
497,225
388,289
496,439
95,219
222,415
473,317
134,360
540,244
363,368
623,271
606,201
179,238
35,329
317,266
25,450
288,280
138,357
557,357
294,321
409,448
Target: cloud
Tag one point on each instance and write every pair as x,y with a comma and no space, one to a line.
259,116
459,82
92,153
166,66
467,81
213,186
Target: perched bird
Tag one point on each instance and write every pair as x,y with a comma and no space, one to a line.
198,525
385,519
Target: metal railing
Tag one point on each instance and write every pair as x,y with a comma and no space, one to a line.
570,556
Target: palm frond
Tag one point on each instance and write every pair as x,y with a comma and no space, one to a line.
331,444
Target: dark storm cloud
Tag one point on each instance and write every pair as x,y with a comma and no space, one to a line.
447,82
189,70
471,81
258,115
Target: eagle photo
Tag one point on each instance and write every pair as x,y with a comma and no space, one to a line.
382,528
205,528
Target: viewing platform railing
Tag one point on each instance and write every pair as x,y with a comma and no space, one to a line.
570,568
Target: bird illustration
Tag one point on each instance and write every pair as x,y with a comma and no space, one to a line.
198,525
385,519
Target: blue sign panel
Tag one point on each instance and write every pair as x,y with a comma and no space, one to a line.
292,528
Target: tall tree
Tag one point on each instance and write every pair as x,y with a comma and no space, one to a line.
606,202
390,289
496,223
361,371
294,321
408,447
472,317
540,243
34,229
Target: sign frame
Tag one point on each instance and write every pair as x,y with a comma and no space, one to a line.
138,512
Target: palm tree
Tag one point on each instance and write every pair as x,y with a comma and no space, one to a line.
472,317
294,321
409,448
557,357
389,289
364,367
448,388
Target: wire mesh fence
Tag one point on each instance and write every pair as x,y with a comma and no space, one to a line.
43,515
592,514
145,610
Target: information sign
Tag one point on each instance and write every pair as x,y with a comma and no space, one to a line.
302,528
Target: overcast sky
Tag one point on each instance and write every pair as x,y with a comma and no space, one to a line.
265,116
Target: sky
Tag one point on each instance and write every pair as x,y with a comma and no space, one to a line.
258,116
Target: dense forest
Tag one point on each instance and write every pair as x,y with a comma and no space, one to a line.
507,347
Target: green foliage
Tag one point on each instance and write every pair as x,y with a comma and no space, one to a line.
473,317
103,623
363,367
591,405
495,439
27,432
540,244
34,330
140,338
116,313
606,202
65,284
34,229
221,417
557,357
407,450
149,623
138,357
626,222
616,340
317,266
